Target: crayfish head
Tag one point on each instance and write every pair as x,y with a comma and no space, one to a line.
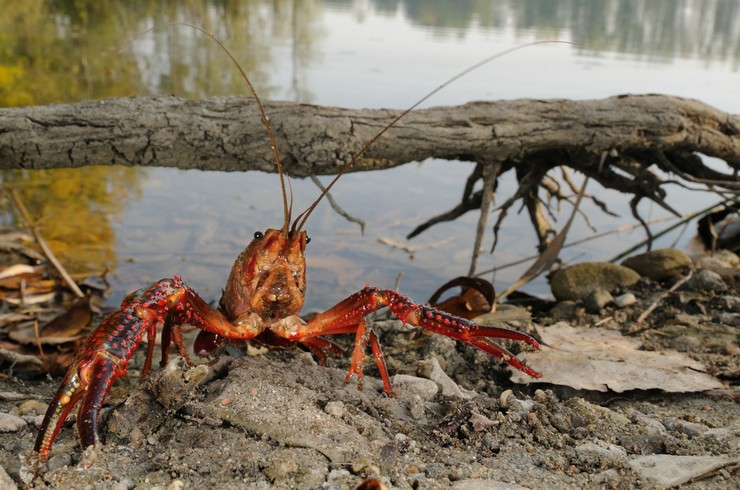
268,277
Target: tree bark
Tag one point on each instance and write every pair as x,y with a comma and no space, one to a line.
226,133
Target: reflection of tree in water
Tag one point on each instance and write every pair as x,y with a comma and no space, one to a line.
706,29
70,50
73,209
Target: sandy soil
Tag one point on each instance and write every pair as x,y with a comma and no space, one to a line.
279,420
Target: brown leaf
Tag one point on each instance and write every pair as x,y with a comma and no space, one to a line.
71,323
602,360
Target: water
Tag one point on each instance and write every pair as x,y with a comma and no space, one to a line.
376,54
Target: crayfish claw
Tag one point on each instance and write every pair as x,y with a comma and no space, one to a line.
89,381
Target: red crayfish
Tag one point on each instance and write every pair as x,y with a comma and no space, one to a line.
262,300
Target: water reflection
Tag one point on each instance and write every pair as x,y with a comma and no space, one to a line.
65,51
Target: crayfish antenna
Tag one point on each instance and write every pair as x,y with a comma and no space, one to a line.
265,121
301,219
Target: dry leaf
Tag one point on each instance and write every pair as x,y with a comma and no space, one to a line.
602,360
71,322
668,470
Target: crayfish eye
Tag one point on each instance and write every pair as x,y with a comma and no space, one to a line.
258,235
308,239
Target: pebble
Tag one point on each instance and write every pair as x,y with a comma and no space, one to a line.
480,422
432,370
6,481
706,280
721,259
732,319
600,454
32,407
610,475
626,299
11,423
335,408
123,484
578,281
59,460
176,485
691,429
659,265
407,386
653,425
729,303
597,300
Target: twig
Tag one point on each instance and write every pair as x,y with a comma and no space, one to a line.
663,295
490,173
44,247
618,229
338,209
551,253
684,219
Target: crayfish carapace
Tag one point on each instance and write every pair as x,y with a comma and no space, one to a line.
263,298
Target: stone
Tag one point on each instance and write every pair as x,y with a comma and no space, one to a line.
11,423
407,387
624,300
659,265
578,281
706,280
597,300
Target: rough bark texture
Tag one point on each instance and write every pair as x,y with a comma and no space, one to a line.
226,133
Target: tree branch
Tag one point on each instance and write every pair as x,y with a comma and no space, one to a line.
226,133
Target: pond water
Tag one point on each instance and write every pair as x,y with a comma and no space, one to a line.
144,224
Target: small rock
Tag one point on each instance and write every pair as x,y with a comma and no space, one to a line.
732,319
597,300
335,408
659,265
32,407
6,481
721,259
480,422
729,303
706,280
691,429
603,478
176,485
123,484
432,370
59,460
578,281
652,425
406,386
11,423
626,299
600,454
564,310
337,479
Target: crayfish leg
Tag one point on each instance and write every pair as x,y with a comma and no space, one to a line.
364,335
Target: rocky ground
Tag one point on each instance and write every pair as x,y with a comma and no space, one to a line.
457,420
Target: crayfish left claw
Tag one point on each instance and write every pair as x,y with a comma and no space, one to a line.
90,381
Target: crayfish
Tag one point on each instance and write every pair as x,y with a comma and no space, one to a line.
262,300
